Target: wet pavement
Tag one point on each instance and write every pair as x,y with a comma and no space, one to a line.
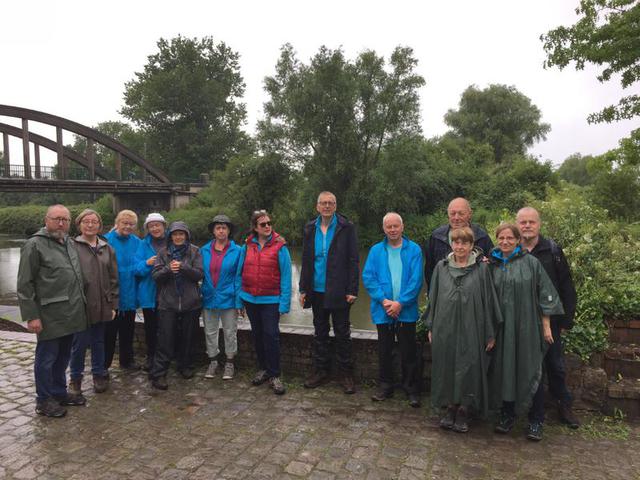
203,429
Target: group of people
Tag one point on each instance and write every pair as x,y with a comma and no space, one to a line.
494,315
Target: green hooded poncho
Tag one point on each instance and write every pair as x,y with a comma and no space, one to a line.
463,315
525,293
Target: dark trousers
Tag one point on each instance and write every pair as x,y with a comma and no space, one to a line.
172,327
341,330
406,335
52,359
150,330
553,365
122,328
265,328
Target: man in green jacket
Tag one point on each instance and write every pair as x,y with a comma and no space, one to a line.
52,302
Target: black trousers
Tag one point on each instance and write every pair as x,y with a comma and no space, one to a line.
341,330
553,365
172,327
150,330
121,327
406,335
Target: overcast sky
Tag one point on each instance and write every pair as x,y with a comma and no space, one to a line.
72,58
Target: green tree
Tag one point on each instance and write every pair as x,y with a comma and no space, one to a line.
332,118
186,101
574,170
500,116
607,34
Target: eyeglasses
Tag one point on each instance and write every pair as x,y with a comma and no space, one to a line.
90,222
59,219
327,203
264,224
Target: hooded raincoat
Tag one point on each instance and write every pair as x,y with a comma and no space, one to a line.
463,315
525,293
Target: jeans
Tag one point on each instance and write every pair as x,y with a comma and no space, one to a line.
52,359
265,328
123,327
150,330
212,320
406,335
172,326
342,331
92,337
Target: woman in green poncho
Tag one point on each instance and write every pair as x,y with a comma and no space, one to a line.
462,318
527,299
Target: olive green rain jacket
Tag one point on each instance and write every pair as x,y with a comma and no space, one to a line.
525,293
463,315
50,286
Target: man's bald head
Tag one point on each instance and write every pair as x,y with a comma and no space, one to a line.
459,213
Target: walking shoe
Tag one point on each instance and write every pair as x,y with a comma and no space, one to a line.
460,425
72,400
348,385
276,385
567,416
505,424
381,394
213,369
160,383
316,379
414,400
534,431
229,371
449,419
50,408
100,383
186,373
260,378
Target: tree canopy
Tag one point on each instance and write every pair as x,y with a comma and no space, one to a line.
499,116
607,34
186,101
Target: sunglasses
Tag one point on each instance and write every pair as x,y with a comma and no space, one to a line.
264,224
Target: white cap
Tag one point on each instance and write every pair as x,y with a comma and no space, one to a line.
154,217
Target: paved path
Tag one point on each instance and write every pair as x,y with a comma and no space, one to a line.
203,429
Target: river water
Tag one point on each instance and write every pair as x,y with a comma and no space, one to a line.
10,258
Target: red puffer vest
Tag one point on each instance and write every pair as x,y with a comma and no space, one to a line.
261,271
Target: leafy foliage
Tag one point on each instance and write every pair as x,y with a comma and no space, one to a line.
607,34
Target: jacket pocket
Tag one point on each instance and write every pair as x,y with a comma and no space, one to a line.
47,301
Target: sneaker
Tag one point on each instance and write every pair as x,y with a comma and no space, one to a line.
348,385
460,425
316,379
449,419
414,400
100,383
160,383
568,417
505,424
50,408
70,400
381,394
260,378
229,371
213,369
276,385
534,431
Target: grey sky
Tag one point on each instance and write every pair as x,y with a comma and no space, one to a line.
72,58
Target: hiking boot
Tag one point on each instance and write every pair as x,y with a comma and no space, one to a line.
534,431
276,385
449,419
348,385
50,408
381,394
160,383
260,378
213,369
567,416
414,400
506,423
70,400
186,373
100,383
229,371
316,379
460,425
